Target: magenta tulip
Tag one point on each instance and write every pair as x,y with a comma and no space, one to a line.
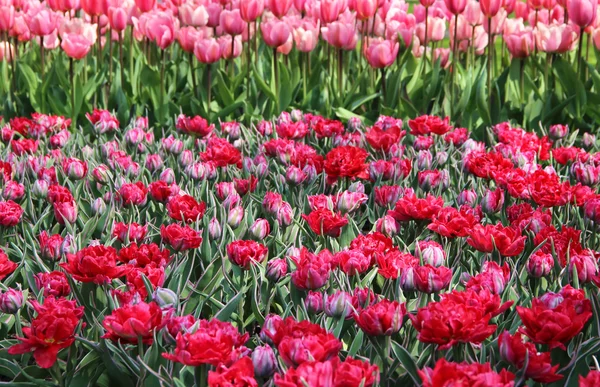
275,32
382,53
582,12
207,51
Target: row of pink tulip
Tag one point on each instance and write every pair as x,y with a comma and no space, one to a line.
216,29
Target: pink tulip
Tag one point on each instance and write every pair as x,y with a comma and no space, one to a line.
365,9
193,15
436,30
117,18
555,38
275,32
340,35
427,3
331,10
300,5
63,5
7,51
473,14
187,38
79,27
94,7
279,8
520,44
306,36
214,14
535,4
226,49
7,17
207,51
381,53
42,21
456,7
400,25
145,5
509,5
160,28
490,7
251,9
596,38
231,22
582,12
286,47
75,46
521,10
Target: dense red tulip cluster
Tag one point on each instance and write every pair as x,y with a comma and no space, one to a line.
301,251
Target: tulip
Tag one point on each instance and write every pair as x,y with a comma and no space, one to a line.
276,269
314,302
165,298
251,10
260,229
340,35
382,53
11,301
589,140
279,7
582,12
7,17
519,44
492,201
144,5
117,18
98,206
337,305
540,264
490,8
207,51
331,10
275,32
76,46
264,361
231,22
192,15
365,9
306,37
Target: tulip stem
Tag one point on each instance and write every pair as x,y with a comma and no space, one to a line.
193,71
208,85
304,75
121,59
340,72
580,53
522,81
249,73
162,81
110,56
72,76
43,57
382,85
424,57
201,375
276,73
454,62
489,64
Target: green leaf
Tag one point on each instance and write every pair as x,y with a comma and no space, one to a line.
407,362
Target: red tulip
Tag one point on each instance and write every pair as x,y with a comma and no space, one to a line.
383,318
133,322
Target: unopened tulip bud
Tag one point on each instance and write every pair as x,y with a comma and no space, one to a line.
284,118
492,201
260,229
186,158
235,216
295,175
168,176
101,174
175,147
552,300
154,162
98,206
354,124
387,225
134,136
264,361
589,140
265,128
431,253
87,152
40,189
214,229
314,302
407,279
165,297
270,327
351,201
357,187
441,158
424,160
285,215
276,269
467,197
338,304
586,266
557,132
232,129
11,301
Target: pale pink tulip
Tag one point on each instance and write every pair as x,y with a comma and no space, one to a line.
42,21
193,15
226,49
400,25
473,14
306,36
286,47
187,38
160,28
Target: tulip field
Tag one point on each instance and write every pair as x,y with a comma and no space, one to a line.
299,193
